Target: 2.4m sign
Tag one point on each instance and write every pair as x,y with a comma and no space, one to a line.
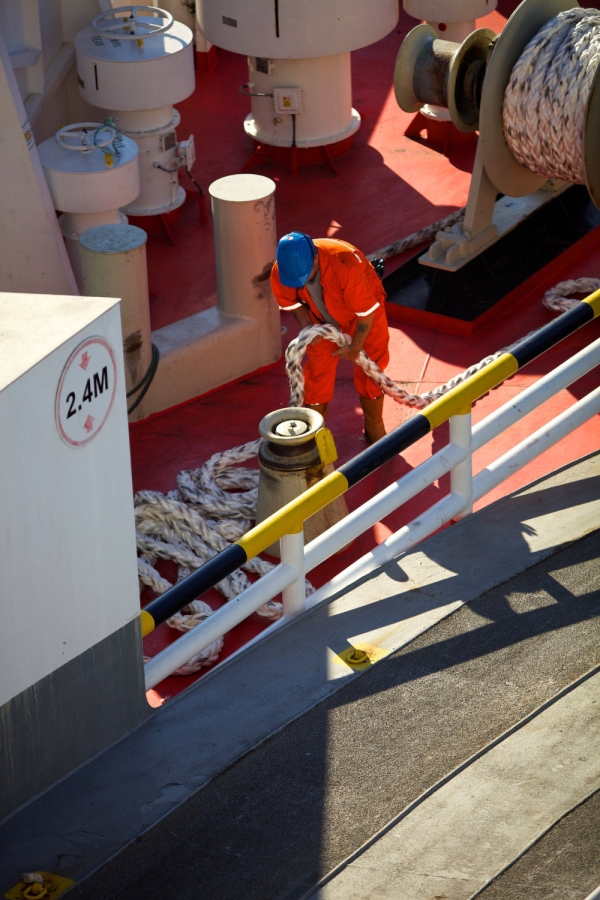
86,391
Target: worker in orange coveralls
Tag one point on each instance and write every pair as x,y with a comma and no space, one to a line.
330,281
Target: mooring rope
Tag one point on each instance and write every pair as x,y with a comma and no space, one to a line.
546,100
212,506
557,299
424,236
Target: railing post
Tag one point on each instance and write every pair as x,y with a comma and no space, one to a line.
461,476
292,554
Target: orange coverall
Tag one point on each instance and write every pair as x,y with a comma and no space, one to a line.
351,290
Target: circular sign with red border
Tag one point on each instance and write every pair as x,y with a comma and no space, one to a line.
86,392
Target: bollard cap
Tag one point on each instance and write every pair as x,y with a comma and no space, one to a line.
113,238
291,425
242,188
291,428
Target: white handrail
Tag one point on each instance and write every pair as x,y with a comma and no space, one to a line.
221,621
535,444
536,394
382,505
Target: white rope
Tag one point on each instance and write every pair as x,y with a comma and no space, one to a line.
557,299
424,236
212,507
215,504
546,99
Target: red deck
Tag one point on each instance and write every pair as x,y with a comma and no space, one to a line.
388,186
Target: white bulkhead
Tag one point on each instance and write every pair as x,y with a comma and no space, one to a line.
135,66
66,485
303,47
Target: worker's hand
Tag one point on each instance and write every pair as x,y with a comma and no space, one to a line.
350,353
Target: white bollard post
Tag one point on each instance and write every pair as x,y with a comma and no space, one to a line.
243,208
292,553
461,476
114,265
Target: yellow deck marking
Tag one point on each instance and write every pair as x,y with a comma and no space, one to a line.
55,885
374,654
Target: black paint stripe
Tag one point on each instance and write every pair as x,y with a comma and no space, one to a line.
551,334
213,571
276,18
385,449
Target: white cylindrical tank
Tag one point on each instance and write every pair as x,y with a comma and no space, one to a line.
326,114
114,265
299,56
135,63
243,209
181,10
279,29
454,20
91,172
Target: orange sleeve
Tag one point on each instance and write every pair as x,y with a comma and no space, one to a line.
286,297
361,294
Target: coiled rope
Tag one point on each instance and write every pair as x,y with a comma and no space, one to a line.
546,100
211,507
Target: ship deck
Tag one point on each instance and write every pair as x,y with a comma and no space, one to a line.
388,186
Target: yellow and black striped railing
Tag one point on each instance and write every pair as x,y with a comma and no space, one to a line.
290,519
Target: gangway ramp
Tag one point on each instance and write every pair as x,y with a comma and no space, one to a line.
274,770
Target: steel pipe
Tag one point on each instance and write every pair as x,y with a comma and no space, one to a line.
534,396
221,621
382,505
409,535
535,444
292,554
461,476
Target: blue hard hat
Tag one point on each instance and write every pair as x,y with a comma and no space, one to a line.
295,258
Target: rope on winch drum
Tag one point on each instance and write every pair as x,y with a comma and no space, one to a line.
545,103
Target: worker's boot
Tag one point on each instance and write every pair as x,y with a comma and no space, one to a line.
373,413
319,407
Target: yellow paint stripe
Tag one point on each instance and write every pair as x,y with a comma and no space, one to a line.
148,623
459,400
594,302
373,655
291,518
